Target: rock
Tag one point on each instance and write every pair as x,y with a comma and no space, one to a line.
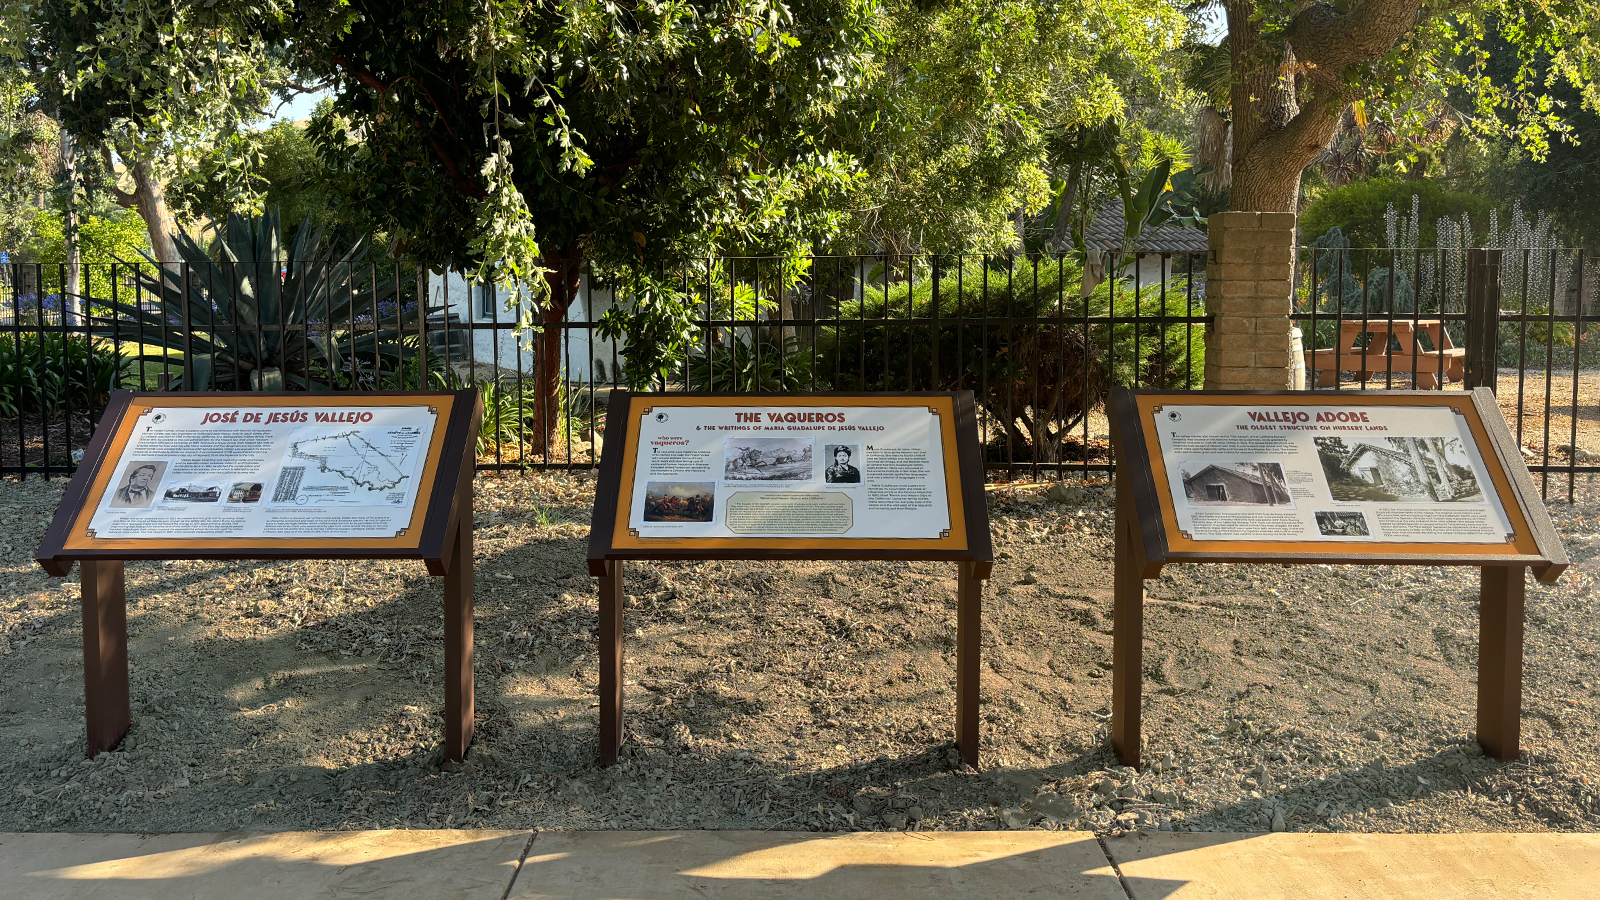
1129,792
1372,734
1277,820
1106,788
895,820
1014,818
1031,578
915,814
1068,494
1061,809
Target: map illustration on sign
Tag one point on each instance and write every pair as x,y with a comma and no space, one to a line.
348,466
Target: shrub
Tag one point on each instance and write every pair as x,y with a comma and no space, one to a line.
1360,208
47,373
1006,331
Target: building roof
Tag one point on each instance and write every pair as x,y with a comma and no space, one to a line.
1105,233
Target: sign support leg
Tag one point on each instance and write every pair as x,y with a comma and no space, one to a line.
1127,649
1500,620
969,637
611,663
459,710
105,654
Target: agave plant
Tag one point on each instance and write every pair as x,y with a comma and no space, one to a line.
256,318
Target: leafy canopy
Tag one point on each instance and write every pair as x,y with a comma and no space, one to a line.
483,132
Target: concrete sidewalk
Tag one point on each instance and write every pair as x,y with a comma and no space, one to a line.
724,865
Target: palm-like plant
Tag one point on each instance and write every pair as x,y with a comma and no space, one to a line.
259,319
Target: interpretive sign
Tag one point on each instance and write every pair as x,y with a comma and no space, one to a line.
1408,477
792,472
257,471
268,476
1379,470
796,476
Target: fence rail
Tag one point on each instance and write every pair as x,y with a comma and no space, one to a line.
1037,343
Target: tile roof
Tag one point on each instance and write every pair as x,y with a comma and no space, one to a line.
1105,233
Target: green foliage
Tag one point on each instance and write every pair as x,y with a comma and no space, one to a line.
958,127
511,415
770,363
638,134
1036,378
254,329
117,236
288,177
1358,210
44,374
167,82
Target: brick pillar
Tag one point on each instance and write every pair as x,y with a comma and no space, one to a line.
1248,282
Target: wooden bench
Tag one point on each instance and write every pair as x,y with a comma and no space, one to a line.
1391,348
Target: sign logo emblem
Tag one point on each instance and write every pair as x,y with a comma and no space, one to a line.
1175,416
661,417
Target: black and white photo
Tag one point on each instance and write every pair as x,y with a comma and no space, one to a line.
1342,524
768,459
844,463
1218,483
136,489
1398,470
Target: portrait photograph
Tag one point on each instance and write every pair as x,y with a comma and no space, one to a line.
136,486
843,463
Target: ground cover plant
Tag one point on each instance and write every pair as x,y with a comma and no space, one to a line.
291,695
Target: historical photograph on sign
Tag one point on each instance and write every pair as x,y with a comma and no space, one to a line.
193,493
1213,483
768,459
1398,470
245,492
1342,524
679,501
844,464
136,489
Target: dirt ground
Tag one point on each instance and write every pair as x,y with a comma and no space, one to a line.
306,695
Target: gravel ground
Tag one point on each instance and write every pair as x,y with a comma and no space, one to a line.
307,695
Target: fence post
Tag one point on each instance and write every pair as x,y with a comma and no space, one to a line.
1483,319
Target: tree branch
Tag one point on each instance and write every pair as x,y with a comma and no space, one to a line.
1331,41
122,198
461,182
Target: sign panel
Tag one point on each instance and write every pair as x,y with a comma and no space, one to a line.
791,471
1331,474
1353,473
271,471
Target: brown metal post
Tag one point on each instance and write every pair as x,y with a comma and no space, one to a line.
1500,660
1482,364
105,654
459,709
611,663
969,679
1127,645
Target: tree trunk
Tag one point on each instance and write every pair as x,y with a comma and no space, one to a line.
71,294
151,199
565,267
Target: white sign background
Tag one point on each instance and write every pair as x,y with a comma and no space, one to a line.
689,452
1386,474
304,471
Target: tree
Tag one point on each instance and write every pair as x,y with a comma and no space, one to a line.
287,176
157,84
516,138
961,130
1296,66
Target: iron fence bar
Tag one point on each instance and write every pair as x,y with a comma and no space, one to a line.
1577,354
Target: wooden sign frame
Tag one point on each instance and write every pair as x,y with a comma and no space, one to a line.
1148,538
968,543
439,533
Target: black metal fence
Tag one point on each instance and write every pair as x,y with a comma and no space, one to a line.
1037,342
1513,320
